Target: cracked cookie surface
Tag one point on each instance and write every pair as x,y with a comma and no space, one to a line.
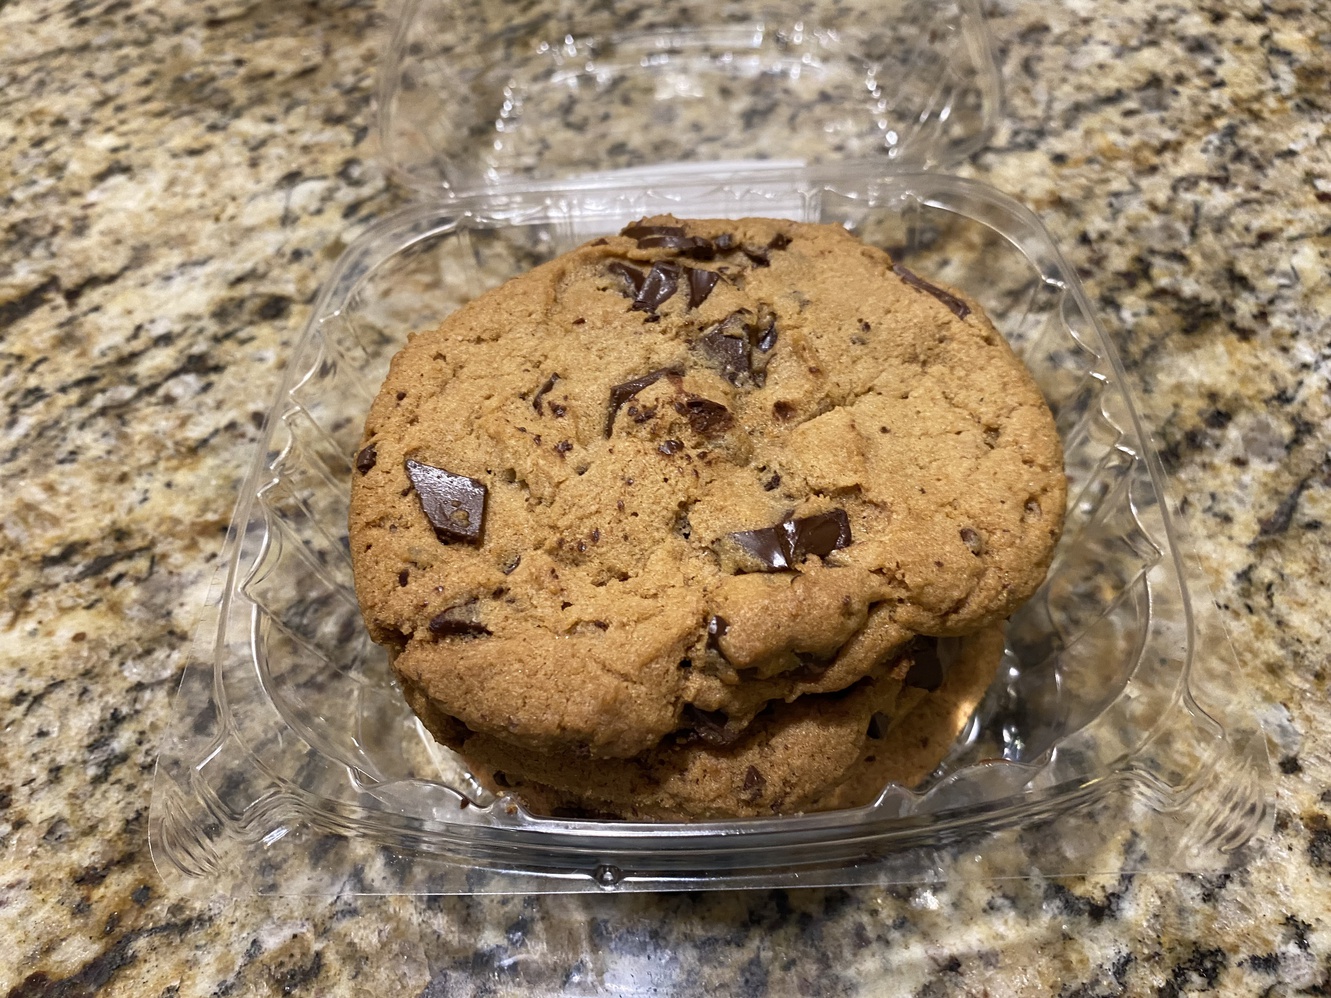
701,466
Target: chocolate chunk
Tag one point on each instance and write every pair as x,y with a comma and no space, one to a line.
633,275
767,338
403,577
671,237
454,504
737,346
729,353
772,482
757,256
779,241
754,782
563,447
707,418
695,247
877,725
542,392
959,308
671,447
365,459
787,544
709,725
926,671
724,242
973,540
619,394
639,231
701,283
448,624
661,283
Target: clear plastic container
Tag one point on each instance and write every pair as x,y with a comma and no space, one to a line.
1114,738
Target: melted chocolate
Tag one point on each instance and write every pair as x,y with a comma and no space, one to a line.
786,545
365,459
737,346
658,287
632,275
454,504
926,670
707,418
959,308
701,283
443,626
754,782
621,393
709,725
543,391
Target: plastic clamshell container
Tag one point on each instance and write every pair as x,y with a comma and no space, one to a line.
1113,739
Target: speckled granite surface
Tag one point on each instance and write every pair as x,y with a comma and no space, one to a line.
175,180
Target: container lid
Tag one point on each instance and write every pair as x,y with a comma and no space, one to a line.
478,95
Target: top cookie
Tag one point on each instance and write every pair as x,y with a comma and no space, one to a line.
702,463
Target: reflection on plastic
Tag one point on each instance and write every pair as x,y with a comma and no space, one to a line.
1092,752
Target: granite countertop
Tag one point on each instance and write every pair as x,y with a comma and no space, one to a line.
178,178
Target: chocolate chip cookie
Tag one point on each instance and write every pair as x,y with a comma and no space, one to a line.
819,752
695,468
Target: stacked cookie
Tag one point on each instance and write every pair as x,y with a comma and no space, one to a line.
707,519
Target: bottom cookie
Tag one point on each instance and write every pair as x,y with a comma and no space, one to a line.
819,752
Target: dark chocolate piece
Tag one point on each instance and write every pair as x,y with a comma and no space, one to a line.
757,256
633,275
707,418
443,625
639,231
779,241
563,447
694,247
365,459
619,394
772,482
767,339
877,725
661,283
454,504
787,544
709,725
701,283
729,353
542,392
725,242
754,782
671,447
671,237
972,539
737,345
403,577
926,671
959,308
